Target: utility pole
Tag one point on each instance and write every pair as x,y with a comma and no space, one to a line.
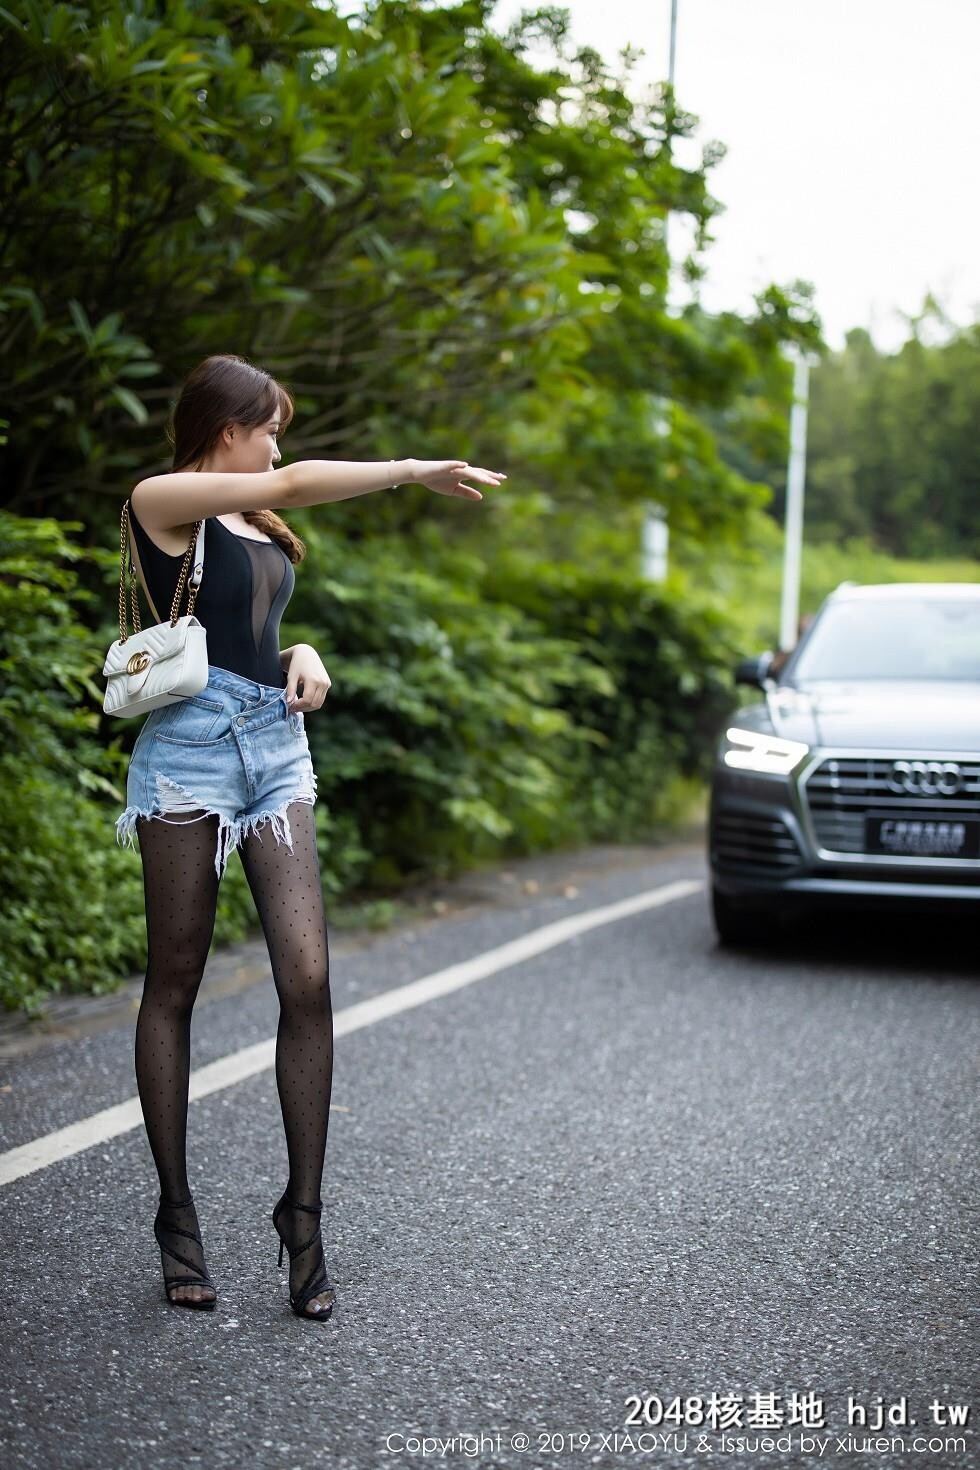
655,529
795,479
673,38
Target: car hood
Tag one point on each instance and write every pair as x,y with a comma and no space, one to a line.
902,713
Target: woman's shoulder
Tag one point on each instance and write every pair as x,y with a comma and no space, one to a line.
172,542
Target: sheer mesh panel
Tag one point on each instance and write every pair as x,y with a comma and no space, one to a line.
268,571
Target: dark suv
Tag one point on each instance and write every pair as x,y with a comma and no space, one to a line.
855,777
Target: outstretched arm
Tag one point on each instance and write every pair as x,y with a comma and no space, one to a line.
184,496
317,481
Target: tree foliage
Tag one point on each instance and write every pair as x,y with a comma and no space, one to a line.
439,247
893,453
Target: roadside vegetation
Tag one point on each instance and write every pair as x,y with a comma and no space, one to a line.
443,251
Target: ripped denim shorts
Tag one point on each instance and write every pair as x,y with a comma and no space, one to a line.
233,750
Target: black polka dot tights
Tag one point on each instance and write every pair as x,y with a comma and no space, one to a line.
181,890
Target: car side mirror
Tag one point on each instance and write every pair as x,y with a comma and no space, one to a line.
755,670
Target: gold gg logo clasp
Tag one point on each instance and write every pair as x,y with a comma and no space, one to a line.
138,662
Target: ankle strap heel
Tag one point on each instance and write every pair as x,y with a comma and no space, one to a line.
317,1282
170,1237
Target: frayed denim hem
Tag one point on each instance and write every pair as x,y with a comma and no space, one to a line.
231,830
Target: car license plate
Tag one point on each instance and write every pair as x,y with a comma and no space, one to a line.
906,836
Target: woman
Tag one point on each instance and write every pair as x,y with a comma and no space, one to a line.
208,772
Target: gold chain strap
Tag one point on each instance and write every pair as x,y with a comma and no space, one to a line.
129,574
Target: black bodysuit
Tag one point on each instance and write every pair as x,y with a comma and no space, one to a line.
243,594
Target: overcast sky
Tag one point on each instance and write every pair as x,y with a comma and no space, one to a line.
852,129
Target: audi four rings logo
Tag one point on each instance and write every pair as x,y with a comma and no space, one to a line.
926,778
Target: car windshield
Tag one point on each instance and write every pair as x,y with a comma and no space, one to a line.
896,638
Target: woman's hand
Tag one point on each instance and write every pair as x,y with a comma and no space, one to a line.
305,668
446,477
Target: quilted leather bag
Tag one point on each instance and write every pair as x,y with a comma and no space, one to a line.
164,663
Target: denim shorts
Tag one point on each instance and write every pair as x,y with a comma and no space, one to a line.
233,750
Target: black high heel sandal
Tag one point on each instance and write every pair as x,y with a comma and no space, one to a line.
317,1283
165,1229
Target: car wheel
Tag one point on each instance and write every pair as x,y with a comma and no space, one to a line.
740,922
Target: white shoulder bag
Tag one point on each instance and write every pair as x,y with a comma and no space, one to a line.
158,665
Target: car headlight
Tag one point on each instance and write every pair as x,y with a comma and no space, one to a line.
751,750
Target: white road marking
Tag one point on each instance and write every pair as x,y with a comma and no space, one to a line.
41,1153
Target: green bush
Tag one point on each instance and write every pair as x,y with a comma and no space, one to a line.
653,682
72,916
438,739
55,932
476,711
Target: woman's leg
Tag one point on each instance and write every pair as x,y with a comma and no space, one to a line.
181,892
289,899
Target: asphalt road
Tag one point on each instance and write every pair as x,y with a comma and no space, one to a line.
623,1163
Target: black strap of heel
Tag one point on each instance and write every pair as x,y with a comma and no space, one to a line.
318,1282
310,1209
160,1227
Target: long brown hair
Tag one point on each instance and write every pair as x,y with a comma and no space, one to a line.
224,389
